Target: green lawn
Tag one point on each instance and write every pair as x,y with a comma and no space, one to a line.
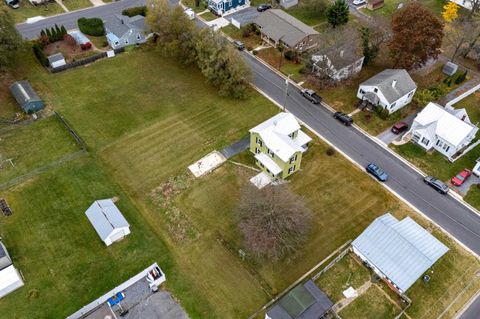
372,304
27,10
436,6
34,146
272,56
472,104
73,5
305,15
191,4
346,273
250,42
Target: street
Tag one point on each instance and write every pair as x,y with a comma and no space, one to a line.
445,211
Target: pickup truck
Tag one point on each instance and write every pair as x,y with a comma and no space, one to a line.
311,96
15,4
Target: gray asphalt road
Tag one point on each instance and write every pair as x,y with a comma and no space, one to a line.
69,20
450,214
473,311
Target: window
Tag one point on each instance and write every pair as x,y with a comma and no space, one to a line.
259,142
393,105
375,90
126,41
362,91
439,143
116,43
291,135
293,159
230,3
138,37
291,169
425,141
270,152
446,147
257,150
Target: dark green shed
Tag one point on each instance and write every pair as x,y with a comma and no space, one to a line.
26,97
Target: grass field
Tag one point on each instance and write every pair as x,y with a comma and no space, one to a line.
306,15
28,10
373,304
436,6
472,104
143,129
73,5
34,146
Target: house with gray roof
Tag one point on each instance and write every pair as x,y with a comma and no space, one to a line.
108,221
390,89
278,27
28,99
305,301
338,62
400,252
122,30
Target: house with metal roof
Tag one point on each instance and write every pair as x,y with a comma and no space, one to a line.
122,30
278,27
28,99
10,278
400,252
278,145
390,89
305,301
338,62
108,221
446,130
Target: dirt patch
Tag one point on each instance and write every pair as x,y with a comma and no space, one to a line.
69,51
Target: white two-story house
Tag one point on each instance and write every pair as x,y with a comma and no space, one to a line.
390,89
445,130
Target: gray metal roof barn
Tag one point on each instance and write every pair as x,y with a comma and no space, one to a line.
24,94
400,250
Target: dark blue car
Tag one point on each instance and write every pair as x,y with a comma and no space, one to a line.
377,172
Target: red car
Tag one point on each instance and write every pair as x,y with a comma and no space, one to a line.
399,127
461,177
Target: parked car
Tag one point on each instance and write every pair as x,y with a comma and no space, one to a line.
189,13
437,184
239,45
15,4
377,172
461,177
344,118
399,127
359,2
311,96
264,7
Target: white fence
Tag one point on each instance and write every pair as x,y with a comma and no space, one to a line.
462,96
94,304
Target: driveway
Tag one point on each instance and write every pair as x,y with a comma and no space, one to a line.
388,137
236,148
470,182
244,16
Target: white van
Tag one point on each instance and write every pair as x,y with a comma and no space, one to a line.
190,14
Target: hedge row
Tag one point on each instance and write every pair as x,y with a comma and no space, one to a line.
93,26
135,11
39,54
88,60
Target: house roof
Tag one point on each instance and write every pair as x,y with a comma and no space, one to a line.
23,92
55,57
105,217
79,37
340,56
450,68
385,80
5,259
268,163
274,133
119,24
305,301
279,25
402,250
444,123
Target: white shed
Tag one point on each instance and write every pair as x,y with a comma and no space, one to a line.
56,60
10,280
108,221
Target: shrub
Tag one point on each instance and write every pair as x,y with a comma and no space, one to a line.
38,51
330,151
254,52
135,11
289,55
93,26
86,46
382,113
461,78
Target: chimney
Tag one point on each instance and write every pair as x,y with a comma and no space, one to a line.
341,53
394,83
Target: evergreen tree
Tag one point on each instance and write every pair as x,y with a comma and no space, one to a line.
63,30
338,13
49,35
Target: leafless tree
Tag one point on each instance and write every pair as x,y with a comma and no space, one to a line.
273,221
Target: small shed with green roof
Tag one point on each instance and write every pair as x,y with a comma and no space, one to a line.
28,99
305,301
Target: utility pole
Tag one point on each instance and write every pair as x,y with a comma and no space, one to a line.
287,82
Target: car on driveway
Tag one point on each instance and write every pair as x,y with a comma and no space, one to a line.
264,7
344,118
461,177
359,2
437,184
311,96
239,45
377,172
399,127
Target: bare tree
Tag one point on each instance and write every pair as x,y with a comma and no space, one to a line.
273,221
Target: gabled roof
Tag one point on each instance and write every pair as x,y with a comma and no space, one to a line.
105,217
385,80
279,25
55,57
305,301
402,250
23,92
5,259
340,56
274,133
119,24
444,123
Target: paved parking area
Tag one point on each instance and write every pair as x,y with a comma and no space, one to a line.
388,137
245,16
470,182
